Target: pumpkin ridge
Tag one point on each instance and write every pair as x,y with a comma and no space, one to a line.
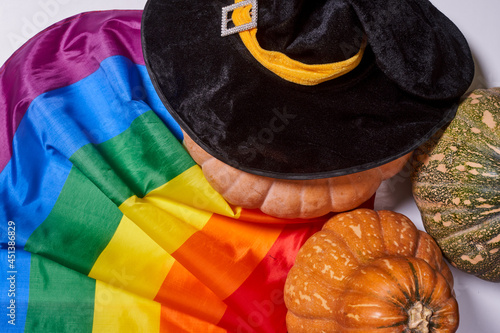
448,220
381,231
352,182
475,227
330,192
264,195
432,196
359,258
205,160
451,298
344,242
437,326
427,300
233,183
474,258
394,301
435,303
438,213
302,200
396,281
415,279
419,241
345,247
333,191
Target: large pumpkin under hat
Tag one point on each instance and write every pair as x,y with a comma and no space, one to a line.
395,70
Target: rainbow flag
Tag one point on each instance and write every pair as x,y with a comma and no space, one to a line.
106,223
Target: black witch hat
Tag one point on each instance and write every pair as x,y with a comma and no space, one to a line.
302,89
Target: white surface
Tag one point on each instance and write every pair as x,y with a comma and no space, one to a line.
479,300
22,19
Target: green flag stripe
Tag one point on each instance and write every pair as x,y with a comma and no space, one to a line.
79,226
142,158
60,299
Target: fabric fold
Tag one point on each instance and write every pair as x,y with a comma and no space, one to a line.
115,226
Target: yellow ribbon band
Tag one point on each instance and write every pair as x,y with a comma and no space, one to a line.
285,67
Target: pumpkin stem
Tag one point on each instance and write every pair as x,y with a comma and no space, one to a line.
418,318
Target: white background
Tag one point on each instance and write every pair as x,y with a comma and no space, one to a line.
479,20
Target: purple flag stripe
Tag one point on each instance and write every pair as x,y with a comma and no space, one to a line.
48,61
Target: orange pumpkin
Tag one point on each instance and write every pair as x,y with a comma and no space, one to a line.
369,271
292,198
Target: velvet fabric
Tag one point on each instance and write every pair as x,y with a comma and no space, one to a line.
415,68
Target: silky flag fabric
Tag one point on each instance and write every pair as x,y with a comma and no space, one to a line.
107,224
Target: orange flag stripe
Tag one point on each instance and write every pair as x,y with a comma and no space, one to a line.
184,292
174,321
223,262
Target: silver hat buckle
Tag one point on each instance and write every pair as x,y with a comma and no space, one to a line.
226,18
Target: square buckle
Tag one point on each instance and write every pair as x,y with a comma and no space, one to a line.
225,31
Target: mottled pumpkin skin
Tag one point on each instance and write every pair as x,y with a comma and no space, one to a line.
292,198
456,186
369,271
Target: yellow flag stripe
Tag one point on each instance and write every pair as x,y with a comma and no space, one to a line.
133,261
117,311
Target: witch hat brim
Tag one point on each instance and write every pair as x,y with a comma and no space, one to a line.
405,88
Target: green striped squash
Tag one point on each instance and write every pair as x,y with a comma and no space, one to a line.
456,186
